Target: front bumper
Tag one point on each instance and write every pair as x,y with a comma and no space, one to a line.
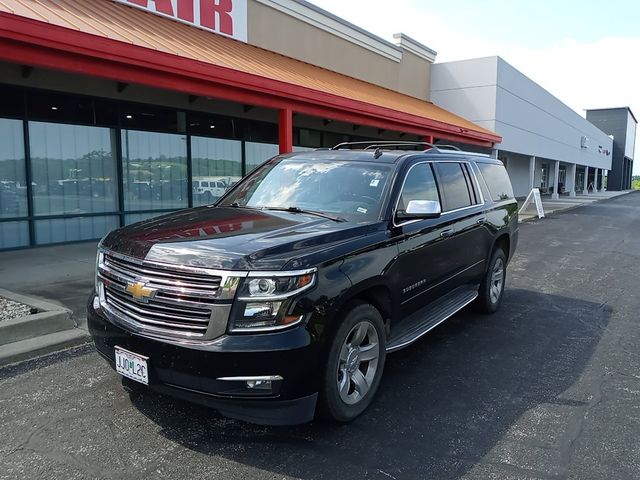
193,373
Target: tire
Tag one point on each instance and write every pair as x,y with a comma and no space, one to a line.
351,379
492,287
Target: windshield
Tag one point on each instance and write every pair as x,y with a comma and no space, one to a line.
347,189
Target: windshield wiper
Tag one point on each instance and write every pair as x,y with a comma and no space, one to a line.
308,212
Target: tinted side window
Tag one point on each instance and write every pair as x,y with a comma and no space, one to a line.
453,185
419,184
497,180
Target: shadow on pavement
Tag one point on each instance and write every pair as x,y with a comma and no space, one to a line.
443,404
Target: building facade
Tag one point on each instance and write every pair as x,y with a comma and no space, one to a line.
545,143
113,111
621,124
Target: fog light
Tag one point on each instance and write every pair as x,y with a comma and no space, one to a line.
259,384
268,385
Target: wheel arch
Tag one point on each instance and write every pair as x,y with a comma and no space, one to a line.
375,292
502,241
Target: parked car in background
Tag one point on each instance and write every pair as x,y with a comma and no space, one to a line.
284,298
210,189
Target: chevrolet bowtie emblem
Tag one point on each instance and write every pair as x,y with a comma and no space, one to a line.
140,291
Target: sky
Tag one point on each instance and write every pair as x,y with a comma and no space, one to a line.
586,53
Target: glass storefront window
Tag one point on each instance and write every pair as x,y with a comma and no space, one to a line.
14,234
154,170
13,186
258,153
216,166
59,230
73,169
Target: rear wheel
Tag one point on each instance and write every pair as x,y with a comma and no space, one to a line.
492,286
355,364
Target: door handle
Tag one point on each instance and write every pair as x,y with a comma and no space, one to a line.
481,220
446,233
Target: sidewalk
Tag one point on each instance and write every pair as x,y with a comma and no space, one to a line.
57,281
565,203
61,274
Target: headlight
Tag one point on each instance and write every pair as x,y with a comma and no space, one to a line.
265,300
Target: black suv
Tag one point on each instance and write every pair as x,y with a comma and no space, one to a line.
286,295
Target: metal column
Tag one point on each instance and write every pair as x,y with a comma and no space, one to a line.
532,172
555,194
585,190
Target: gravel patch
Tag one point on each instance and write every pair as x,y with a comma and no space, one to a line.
10,309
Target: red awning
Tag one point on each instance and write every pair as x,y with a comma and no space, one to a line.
110,40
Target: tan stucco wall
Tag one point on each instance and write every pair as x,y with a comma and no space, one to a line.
276,31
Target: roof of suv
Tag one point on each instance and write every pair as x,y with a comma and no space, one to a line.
386,156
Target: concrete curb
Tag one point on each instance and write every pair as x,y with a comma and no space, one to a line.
49,330
35,347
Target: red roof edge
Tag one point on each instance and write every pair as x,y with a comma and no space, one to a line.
39,44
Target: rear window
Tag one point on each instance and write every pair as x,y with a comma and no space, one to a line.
497,180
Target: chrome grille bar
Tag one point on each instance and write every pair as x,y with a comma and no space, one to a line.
180,303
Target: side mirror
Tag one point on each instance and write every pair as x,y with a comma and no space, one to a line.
420,209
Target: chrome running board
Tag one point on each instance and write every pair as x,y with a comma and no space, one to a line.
421,322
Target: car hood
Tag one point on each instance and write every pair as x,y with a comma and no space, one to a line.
233,238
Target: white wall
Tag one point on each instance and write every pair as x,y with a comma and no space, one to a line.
468,88
531,121
518,170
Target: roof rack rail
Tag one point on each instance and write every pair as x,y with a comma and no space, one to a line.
380,143
448,147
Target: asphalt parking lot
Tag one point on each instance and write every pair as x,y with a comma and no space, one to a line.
548,388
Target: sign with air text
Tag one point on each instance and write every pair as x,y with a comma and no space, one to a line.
225,17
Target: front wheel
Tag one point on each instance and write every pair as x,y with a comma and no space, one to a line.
355,364
492,286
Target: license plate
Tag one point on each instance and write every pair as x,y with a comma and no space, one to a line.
132,365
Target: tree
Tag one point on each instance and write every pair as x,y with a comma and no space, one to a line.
635,182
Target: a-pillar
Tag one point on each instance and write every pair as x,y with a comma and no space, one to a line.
570,180
585,190
555,195
494,153
532,172
285,130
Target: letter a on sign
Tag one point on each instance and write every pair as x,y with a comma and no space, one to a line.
226,17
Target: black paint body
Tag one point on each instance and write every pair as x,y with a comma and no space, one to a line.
376,261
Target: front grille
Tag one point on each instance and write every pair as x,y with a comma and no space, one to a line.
180,304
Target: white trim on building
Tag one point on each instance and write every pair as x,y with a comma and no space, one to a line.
409,44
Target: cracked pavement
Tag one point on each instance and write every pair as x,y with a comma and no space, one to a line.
547,388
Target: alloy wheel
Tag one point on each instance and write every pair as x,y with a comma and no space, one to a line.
497,281
358,362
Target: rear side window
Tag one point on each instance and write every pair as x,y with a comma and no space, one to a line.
497,180
453,186
418,185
